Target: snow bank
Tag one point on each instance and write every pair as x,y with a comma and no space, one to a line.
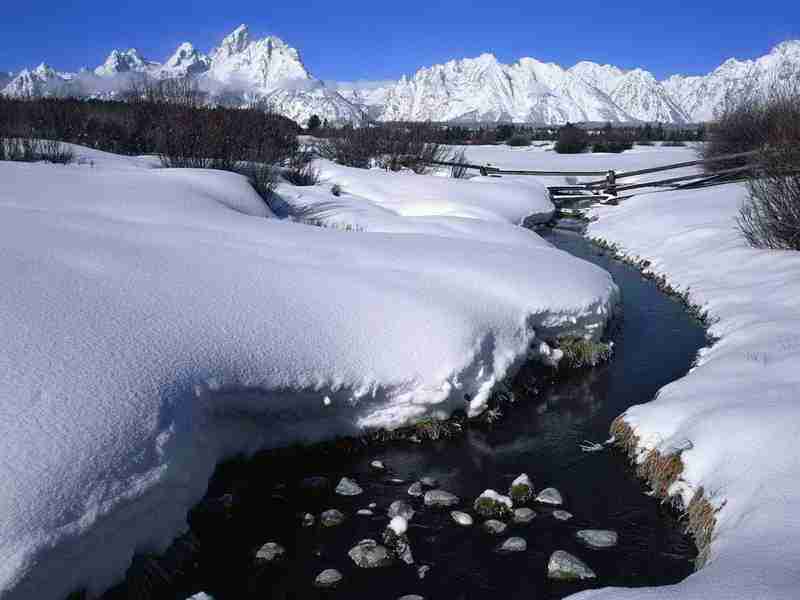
156,321
403,202
737,412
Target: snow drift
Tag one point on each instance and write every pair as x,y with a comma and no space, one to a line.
156,321
736,413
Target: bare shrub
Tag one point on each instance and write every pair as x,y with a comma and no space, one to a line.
388,146
754,120
770,218
571,140
301,171
518,140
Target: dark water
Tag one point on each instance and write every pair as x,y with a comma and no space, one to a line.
655,343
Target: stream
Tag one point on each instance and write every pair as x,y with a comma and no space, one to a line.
655,342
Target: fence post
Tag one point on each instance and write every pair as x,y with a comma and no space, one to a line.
611,182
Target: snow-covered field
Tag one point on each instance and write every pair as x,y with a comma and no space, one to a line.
155,321
738,411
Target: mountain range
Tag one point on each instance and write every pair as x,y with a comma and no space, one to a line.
469,90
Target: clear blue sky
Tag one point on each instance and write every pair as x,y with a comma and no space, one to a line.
347,40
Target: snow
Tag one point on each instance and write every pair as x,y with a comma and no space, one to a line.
399,525
736,413
157,321
470,89
486,208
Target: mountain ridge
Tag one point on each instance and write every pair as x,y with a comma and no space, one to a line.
468,90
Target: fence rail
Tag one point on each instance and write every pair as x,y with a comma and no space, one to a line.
608,186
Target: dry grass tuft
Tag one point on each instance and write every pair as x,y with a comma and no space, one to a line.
661,471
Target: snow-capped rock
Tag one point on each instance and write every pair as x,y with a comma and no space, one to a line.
702,97
186,61
243,69
41,81
125,61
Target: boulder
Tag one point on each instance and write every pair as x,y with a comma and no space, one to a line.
597,538
269,552
396,540
523,516
398,508
328,578
521,490
490,504
513,544
563,566
348,487
331,518
462,518
415,489
494,527
368,554
440,499
550,496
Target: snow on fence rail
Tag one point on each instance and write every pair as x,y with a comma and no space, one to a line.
608,186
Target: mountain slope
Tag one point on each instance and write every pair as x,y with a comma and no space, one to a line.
481,89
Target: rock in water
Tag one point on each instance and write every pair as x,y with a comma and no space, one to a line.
365,512
411,597
201,596
513,544
377,465
490,504
441,499
521,490
348,487
429,482
308,520
331,518
270,552
563,566
415,489
368,554
550,496
494,527
422,571
461,518
597,538
523,516
328,578
396,540
562,515
398,508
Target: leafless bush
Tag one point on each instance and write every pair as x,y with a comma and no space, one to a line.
459,171
770,218
300,170
754,120
391,147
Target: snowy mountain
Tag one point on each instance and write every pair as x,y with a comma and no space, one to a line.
125,61
481,89
240,69
636,92
186,61
41,81
702,97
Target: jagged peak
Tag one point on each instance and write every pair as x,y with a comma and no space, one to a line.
237,40
788,47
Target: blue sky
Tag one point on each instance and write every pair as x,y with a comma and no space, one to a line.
382,40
